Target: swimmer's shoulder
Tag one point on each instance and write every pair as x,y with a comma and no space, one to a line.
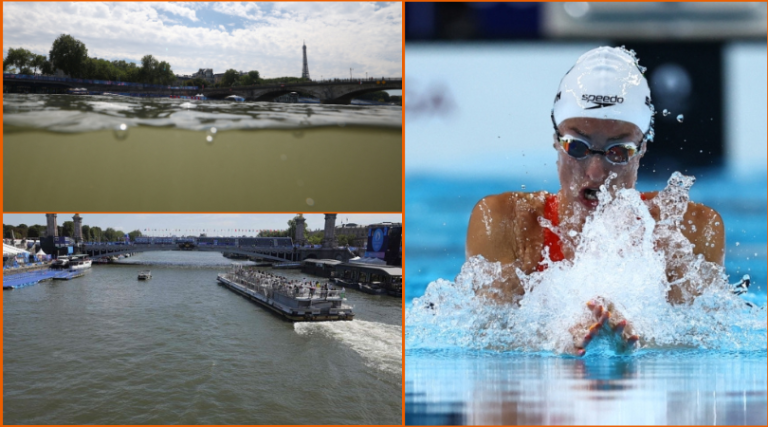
703,226
511,204
501,222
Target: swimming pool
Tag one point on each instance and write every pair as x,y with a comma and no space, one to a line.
675,386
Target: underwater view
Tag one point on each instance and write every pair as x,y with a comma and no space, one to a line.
118,153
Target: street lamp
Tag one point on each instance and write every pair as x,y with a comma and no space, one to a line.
350,74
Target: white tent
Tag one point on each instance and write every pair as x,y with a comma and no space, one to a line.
12,250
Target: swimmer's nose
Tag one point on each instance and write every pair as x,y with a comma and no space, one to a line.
596,169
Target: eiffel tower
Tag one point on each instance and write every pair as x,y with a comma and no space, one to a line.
305,69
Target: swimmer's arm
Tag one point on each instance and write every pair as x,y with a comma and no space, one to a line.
491,233
704,228
709,235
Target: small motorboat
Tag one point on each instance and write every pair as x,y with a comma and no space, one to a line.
235,98
145,275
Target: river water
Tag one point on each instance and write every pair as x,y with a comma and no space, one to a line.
179,349
110,153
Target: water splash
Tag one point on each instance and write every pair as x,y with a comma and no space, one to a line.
615,258
378,343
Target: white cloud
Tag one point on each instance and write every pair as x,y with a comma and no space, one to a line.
339,36
177,9
243,10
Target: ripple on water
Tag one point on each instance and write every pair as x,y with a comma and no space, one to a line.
61,113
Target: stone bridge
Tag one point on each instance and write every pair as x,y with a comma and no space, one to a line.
337,91
328,92
278,254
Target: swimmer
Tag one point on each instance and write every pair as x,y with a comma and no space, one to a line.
602,118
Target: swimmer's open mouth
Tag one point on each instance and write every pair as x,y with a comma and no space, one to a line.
590,193
588,197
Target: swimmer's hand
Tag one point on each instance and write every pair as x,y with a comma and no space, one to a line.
605,318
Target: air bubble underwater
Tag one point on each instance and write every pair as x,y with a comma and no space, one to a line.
210,135
680,118
120,132
618,238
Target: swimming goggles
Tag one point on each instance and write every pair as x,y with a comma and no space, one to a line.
618,154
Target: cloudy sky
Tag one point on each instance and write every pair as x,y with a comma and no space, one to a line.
193,223
245,36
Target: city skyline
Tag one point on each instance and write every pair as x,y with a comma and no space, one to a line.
193,224
267,37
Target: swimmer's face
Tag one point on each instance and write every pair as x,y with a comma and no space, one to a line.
580,179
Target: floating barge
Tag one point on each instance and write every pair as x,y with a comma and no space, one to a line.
293,300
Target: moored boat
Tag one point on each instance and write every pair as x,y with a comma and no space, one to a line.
372,279
74,262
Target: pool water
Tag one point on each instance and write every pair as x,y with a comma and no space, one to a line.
448,383
659,388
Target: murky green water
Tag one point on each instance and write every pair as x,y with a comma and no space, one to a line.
99,153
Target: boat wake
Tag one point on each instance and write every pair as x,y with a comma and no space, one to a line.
378,343
614,258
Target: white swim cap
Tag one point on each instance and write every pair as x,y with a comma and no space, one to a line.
605,83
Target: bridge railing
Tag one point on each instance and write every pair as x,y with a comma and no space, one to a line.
94,82
376,80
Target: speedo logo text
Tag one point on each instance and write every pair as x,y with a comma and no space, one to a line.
602,100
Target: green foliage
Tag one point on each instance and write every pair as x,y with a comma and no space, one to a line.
345,239
292,225
273,233
38,61
69,55
229,78
69,229
249,79
86,231
36,231
112,235
134,234
18,58
245,80
315,238
47,68
95,234
32,232
197,81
